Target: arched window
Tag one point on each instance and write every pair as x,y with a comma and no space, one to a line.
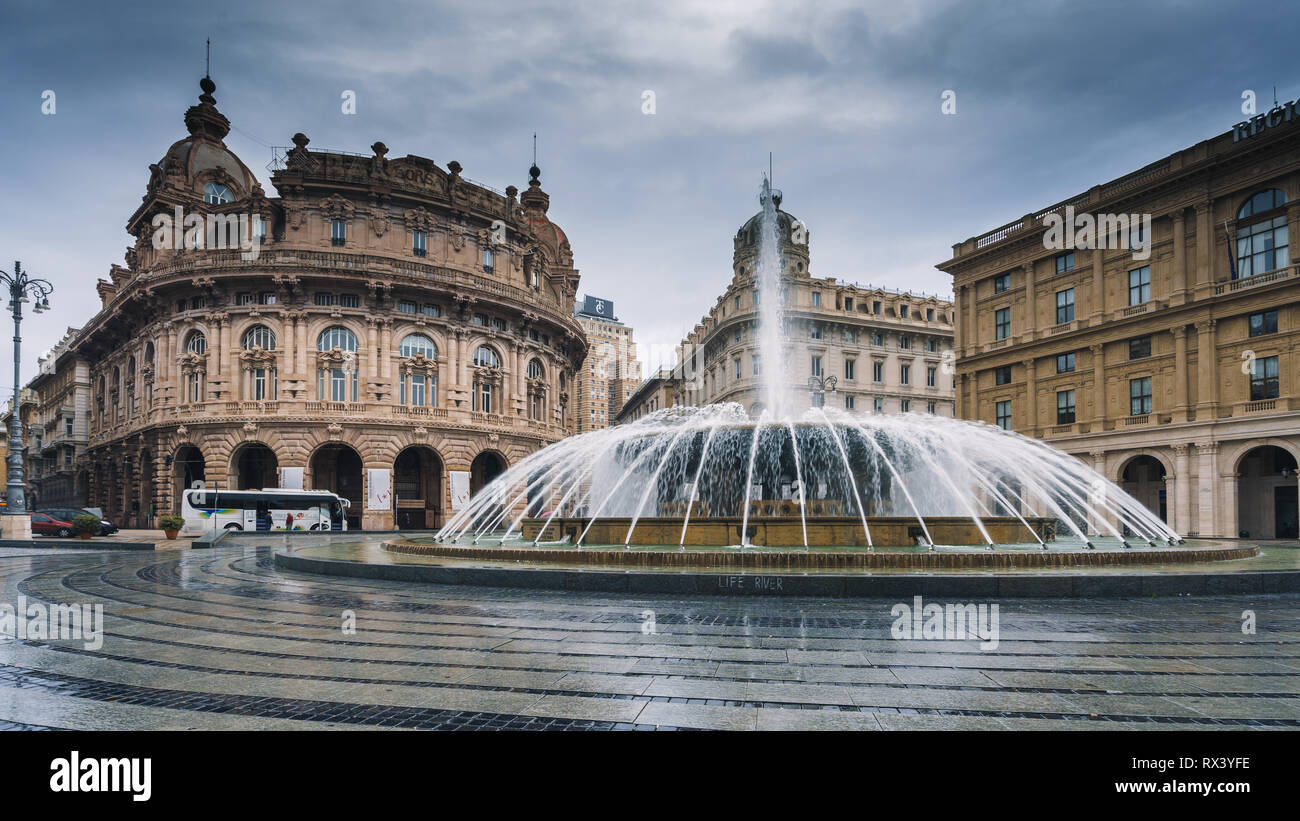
130,386
536,390
214,193
485,357
259,370
535,369
337,376
1263,243
418,344
196,343
259,336
418,385
336,337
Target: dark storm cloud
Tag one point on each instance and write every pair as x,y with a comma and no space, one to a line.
1053,97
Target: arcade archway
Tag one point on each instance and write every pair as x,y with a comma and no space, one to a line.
1266,494
417,488
337,467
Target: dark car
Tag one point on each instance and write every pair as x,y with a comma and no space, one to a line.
106,528
45,523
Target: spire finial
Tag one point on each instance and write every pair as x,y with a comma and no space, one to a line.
207,60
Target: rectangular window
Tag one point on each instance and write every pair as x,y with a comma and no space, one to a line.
1065,363
481,320
349,301
905,406
406,306
815,331
930,407
878,339
338,232
850,369
1003,414
816,299
850,336
434,310
905,374
1263,379
1139,396
929,314
737,302
816,366
756,364
931,377
1139,348
67,425
244,298
488,259
848,403
1001,283
738,371
877,371
1002,375
1263,323
420,243
1065,262
848,303
1065,407
1065,306
1262,247
1002,323
324,299
876,307
903,311
1139,285
878,405
737,334
905,342
932,345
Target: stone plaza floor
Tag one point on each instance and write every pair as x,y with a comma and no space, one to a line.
221,639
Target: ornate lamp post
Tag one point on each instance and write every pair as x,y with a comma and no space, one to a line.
22,288
819,387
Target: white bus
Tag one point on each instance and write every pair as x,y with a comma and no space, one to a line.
210,509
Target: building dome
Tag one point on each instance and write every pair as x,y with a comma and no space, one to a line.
202,157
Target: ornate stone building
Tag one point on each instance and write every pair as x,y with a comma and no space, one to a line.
383,328
889,351
58,428
1167,359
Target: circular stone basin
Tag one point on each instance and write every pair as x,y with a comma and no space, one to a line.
831,558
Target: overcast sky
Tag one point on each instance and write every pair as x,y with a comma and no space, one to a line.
1052,98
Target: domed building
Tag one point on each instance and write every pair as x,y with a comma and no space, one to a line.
383,328
889,351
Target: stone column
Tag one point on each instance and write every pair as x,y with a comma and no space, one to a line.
1178,293
226,364
300,365
173,366
1031,315
1204,249
386,345
1206,489
1031,391
286,342
1207,368
1098,388
372,345
1100,515
1098,308
1182,379
1181,503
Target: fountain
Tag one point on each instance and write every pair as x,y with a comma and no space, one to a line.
692,477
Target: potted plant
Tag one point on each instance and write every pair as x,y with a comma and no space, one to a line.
171,525
85,526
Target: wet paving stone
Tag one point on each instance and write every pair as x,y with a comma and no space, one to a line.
222,639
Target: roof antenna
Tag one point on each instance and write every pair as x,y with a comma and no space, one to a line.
534,148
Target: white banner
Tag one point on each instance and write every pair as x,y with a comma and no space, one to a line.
291,478
459,488
380,496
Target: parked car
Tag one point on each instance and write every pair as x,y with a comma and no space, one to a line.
44,524
106,528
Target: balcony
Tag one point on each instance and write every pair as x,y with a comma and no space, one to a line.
1266,278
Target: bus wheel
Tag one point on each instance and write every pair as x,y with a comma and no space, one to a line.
233,526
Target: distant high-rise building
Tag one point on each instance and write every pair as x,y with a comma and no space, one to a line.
611,373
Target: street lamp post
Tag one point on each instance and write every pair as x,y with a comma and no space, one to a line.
819,387
22,288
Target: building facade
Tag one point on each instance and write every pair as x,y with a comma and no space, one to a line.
60,427
655,393
889,351
612,371
1162,349
383,328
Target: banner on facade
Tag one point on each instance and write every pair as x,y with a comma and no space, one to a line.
291,478
459,489
380,495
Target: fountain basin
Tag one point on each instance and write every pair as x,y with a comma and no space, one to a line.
786,531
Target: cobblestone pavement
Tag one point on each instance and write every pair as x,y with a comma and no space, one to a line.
220,639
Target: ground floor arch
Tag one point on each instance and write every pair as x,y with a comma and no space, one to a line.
487,466
1143,477
337,467
417,488
255,466
1267,494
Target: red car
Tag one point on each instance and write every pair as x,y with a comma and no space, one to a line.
43,524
